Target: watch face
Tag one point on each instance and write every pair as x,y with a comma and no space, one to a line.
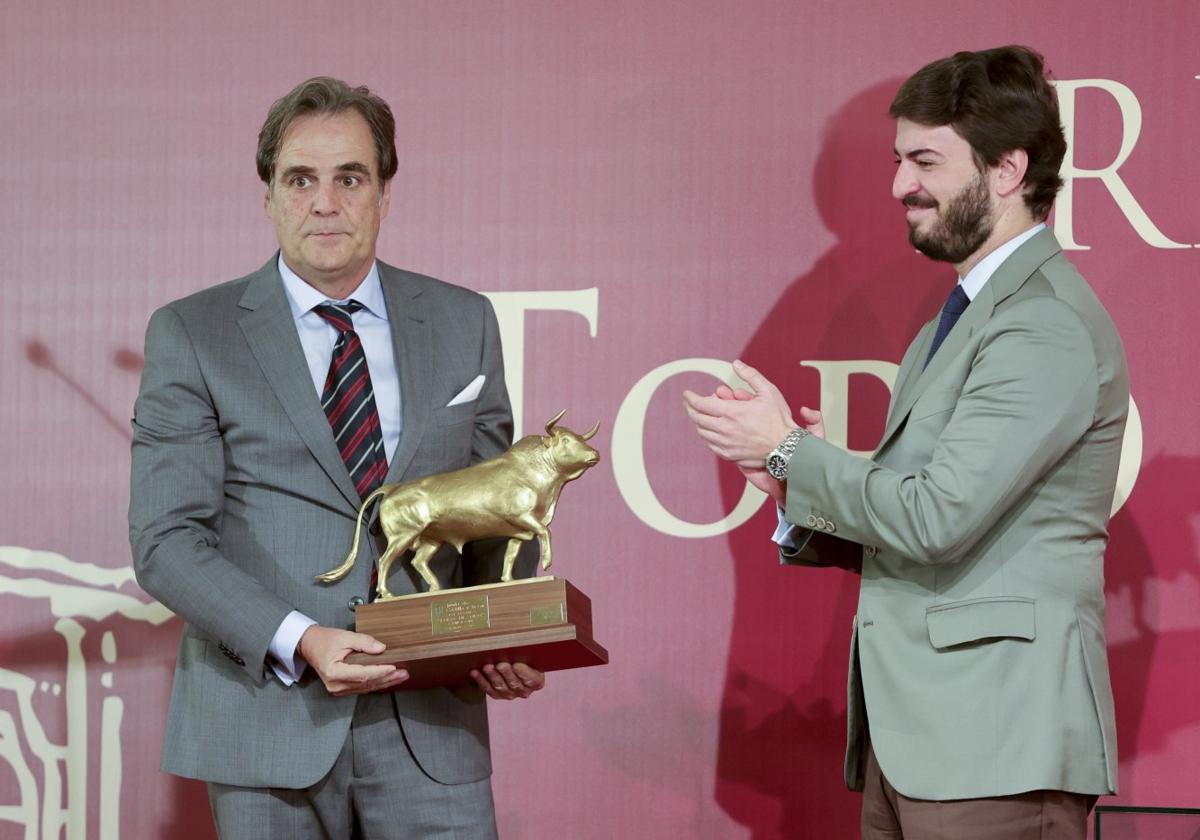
777,465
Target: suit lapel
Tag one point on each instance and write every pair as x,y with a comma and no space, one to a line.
906,379
1009,277
270,332
1023,262
412,342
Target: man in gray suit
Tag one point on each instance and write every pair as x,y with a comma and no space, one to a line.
979,697
241,496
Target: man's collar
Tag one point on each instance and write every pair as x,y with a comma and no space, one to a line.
978,276
302,297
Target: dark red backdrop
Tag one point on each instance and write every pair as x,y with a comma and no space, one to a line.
711,180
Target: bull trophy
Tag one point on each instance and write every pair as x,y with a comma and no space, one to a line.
512,495
440,635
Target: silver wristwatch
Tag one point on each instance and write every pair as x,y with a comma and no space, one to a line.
777,461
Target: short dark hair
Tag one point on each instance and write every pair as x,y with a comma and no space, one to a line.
323,95
997,100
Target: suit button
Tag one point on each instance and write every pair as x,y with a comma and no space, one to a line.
829,526
356,602
871,551
811,521
821,523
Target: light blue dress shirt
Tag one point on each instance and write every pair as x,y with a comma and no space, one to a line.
317,338
371,323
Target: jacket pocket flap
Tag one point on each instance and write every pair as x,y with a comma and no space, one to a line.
976,619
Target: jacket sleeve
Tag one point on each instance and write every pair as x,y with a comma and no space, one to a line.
176,499
814,548
1030,395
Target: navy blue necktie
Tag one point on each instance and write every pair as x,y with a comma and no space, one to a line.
349,401
955,306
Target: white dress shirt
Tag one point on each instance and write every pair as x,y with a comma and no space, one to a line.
318,337
972,284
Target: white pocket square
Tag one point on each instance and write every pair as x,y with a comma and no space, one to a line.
469,393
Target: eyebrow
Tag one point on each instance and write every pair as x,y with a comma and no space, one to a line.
352,166
916,153
355,166
297,170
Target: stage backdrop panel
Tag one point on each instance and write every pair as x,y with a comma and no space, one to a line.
647,191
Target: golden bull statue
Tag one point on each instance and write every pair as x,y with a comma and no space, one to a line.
512,495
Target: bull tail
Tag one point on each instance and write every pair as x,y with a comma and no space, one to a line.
347,564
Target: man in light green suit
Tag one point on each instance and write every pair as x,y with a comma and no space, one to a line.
979,695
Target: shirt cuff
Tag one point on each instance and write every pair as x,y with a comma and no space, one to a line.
285,660
785,532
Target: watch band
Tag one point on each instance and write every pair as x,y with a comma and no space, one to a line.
777,461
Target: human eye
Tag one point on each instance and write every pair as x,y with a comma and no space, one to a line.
350,181
300,181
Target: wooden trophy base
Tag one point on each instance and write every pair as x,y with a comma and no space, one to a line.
439,637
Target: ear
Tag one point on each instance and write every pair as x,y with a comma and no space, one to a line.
1010,172
385,199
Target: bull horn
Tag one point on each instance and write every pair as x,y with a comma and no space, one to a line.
592,433
551,424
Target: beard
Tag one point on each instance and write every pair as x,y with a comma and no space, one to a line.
960,229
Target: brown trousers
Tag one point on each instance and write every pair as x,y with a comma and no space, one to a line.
1036,815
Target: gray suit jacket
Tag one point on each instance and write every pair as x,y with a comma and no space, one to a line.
239,498
980,526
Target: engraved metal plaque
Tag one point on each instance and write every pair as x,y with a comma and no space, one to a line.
460,615
548,614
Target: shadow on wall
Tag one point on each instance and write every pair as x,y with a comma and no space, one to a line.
783,718
1152,603
39,355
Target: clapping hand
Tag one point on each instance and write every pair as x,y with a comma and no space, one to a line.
744,426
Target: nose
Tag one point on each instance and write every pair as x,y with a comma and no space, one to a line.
325,200
904,183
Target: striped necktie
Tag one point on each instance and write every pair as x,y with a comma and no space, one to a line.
955,306
349,401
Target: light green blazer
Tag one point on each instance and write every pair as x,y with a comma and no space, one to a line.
978,653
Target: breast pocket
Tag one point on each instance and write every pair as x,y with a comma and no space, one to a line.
451,415
934,403
981,620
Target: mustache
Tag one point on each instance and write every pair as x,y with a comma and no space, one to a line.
922,201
